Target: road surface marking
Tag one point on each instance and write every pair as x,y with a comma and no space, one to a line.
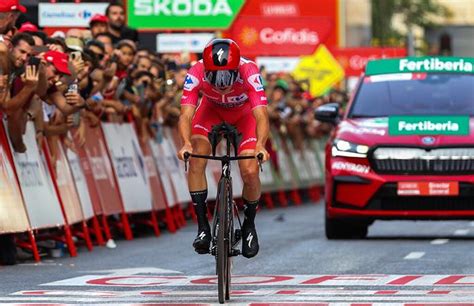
439,241
461,232
415,255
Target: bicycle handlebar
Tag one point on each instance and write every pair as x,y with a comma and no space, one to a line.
187,155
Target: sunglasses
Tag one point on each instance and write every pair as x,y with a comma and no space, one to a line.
100,56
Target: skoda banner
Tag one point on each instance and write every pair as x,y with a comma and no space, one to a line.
182,14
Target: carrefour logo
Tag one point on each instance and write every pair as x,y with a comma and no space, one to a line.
182,8
85,14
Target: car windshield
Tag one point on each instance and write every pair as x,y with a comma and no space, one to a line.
414,94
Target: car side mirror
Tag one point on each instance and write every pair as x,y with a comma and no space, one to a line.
328,113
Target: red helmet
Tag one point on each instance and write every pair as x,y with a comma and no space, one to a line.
221,59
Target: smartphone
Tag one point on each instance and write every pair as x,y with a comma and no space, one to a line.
40,49
34,61
73,88
76,119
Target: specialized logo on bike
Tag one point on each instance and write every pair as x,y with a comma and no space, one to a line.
249,239
202,235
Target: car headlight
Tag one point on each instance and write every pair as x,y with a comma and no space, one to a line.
348,149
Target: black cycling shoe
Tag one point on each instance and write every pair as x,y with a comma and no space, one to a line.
202,242
250,245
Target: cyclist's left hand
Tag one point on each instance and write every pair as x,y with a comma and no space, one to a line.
261,149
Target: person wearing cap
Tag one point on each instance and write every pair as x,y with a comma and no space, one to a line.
57,65
98,24
28,27
9,12
74,44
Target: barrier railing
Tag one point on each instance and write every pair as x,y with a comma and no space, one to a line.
64,190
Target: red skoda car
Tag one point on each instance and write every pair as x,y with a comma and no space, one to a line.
404,148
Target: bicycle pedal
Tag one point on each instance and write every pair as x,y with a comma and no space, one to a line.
237,235
234,252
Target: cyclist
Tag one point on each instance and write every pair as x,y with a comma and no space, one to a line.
233,92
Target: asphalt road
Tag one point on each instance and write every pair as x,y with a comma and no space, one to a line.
399,262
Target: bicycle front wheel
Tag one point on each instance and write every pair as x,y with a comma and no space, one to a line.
223,239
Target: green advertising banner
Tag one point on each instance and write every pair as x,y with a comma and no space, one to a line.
428,125
421,64
182,14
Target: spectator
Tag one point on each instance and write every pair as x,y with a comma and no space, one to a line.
9,12
39,38
98,49
24,85
98,25
143,63
106,40
28,27
126,53
74,33
117,28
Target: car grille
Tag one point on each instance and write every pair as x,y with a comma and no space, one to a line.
434,203
423,161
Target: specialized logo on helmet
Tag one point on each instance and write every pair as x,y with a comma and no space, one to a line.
220,53
220,57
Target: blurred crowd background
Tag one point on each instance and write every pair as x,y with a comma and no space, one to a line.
65,81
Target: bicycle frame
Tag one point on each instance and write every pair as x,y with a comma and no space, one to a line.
224,238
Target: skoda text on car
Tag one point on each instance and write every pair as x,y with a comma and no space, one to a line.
404,148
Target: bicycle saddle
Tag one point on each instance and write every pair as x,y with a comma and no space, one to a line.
227,131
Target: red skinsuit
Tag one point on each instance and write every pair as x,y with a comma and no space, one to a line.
234,107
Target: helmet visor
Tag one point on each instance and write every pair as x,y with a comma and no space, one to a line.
222,79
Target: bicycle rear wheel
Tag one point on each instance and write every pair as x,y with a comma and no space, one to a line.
223,240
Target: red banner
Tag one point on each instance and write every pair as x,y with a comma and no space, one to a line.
159,198
64,182
87,170
354,59
101,168
281,36
291,10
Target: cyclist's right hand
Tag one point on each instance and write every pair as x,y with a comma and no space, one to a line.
186,148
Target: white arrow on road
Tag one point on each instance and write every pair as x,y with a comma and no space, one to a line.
135,271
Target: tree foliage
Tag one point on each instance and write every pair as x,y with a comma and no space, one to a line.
420,13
